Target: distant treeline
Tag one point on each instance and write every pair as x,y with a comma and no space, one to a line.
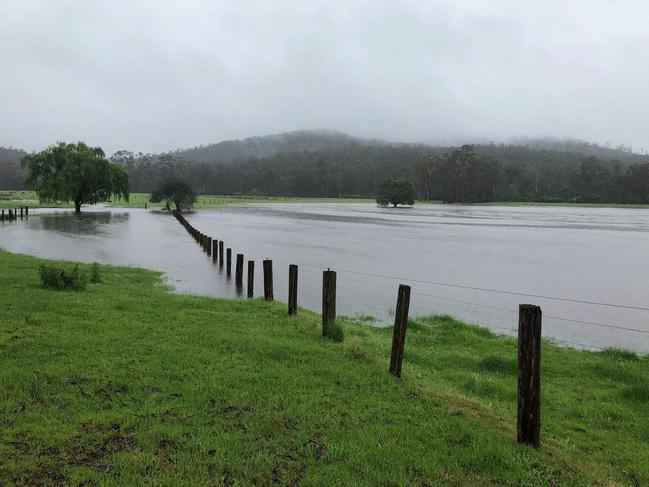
468,174
483,172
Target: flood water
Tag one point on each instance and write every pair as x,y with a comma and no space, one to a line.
477,263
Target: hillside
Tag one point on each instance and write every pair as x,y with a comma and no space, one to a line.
269,145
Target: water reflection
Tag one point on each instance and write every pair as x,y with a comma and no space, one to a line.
87,223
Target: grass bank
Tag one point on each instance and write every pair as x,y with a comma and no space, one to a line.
126,381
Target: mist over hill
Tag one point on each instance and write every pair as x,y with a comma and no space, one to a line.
332,164
269,145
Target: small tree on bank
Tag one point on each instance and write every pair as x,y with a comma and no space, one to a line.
75,172
396,192
174,190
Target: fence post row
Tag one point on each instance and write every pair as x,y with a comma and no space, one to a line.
251,278
292,289
238,275
399,331
529,375
328,300
268,280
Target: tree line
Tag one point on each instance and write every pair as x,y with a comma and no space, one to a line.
471,173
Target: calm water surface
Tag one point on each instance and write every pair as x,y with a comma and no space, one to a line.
600,255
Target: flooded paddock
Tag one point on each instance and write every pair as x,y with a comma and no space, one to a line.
474,262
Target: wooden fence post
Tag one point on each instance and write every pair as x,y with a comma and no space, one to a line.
215,250
220,253
328,300
268,280
292,289
399,331
21,212
251,278
209,246
238,275
3,216
529,375
228,261
145,206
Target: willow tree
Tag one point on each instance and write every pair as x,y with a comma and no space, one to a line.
75,172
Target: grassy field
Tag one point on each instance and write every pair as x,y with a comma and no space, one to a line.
126,383
13,199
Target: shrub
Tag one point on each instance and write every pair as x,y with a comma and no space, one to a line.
95,275
58,278
335,332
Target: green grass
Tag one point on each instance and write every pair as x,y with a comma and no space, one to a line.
14,199
127,383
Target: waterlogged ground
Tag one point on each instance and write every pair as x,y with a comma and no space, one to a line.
597,255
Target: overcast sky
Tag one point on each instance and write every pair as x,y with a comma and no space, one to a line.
156,75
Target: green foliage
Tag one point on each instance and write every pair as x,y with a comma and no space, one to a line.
75,172
396,192
55,277
95,273
176,190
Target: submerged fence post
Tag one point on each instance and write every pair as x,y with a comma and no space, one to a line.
209,246
3,216
220,253
228,261
238,276
215,250
399,332
268,280
328,300
529,375
251,278
292,289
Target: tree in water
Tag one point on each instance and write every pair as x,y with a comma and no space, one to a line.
75,172
174,190
396,192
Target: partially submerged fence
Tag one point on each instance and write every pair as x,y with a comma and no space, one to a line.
12,214
528,330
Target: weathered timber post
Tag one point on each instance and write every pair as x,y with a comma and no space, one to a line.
251,278
328,300
209,246
10,214
238,274
268,280
3,216
529,375
21,212
215,250
220,253
292,289
399,332
26,211
145,206
228,261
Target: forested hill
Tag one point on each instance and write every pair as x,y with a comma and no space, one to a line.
331,164
269,145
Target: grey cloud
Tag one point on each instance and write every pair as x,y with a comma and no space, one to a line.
155,75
